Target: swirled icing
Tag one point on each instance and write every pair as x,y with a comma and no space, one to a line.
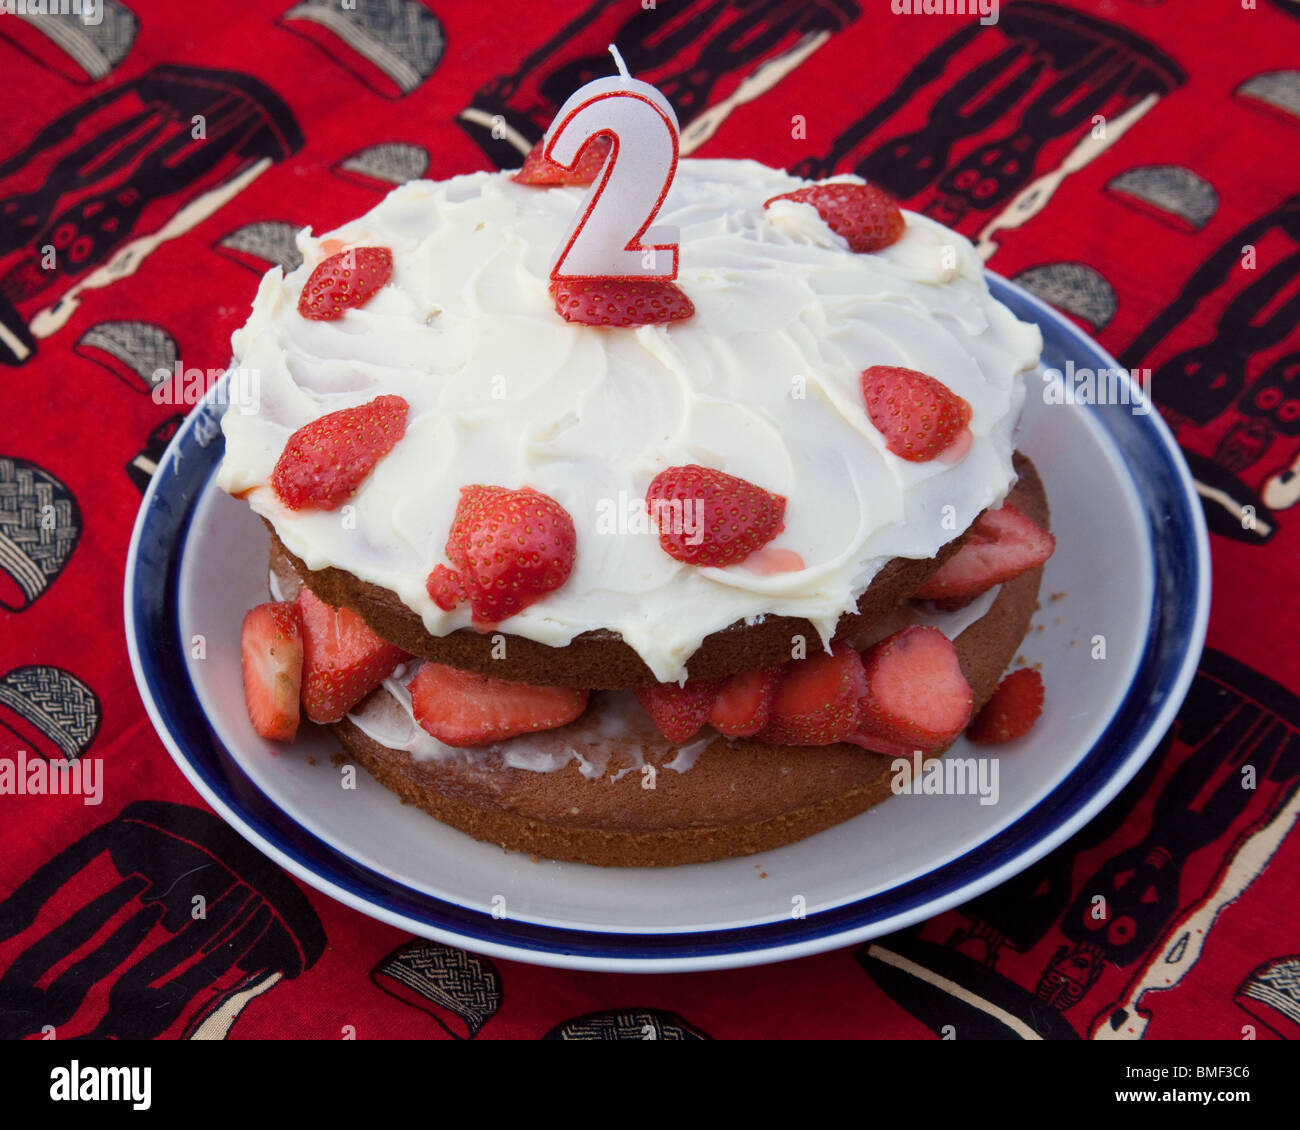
763,383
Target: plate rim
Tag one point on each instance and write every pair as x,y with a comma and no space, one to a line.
572,946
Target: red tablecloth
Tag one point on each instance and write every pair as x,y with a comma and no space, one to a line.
157,162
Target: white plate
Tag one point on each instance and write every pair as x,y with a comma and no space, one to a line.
1131,560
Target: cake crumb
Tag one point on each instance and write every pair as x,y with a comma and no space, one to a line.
762,874
1020,661
532,859
1039,628
311,760
1057,620
338,760
1036,666
1073,642
1056,596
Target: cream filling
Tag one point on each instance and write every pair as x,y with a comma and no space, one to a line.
614,724
762,383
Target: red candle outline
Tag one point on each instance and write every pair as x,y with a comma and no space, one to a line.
598,187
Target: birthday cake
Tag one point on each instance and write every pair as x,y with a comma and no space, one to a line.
639,573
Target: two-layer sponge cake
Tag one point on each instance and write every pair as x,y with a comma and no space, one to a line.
620,573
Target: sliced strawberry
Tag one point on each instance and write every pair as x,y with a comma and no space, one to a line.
918,415
509,549
1013,709
880,745
679,711
325,461
709,518
445,588
743,703
816,702
462,708
917,696
343,281
620,302
270,650
868,217
538,170
1003,544
342,659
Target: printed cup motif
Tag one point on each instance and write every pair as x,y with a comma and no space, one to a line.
95,187
50,712
982,131
692,52
460,990
202,925
84,43
390,45
40,524
627,1024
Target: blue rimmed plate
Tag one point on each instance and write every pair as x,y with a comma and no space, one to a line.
1125,603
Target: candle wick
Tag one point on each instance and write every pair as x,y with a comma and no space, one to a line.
618,61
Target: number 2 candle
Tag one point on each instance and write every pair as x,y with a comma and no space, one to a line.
612,235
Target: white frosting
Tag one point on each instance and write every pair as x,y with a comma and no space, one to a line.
614,726
763,382
952,624
925,613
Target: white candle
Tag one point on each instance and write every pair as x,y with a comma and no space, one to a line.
612,236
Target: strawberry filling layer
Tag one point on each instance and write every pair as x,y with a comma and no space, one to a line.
514,728
896,689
